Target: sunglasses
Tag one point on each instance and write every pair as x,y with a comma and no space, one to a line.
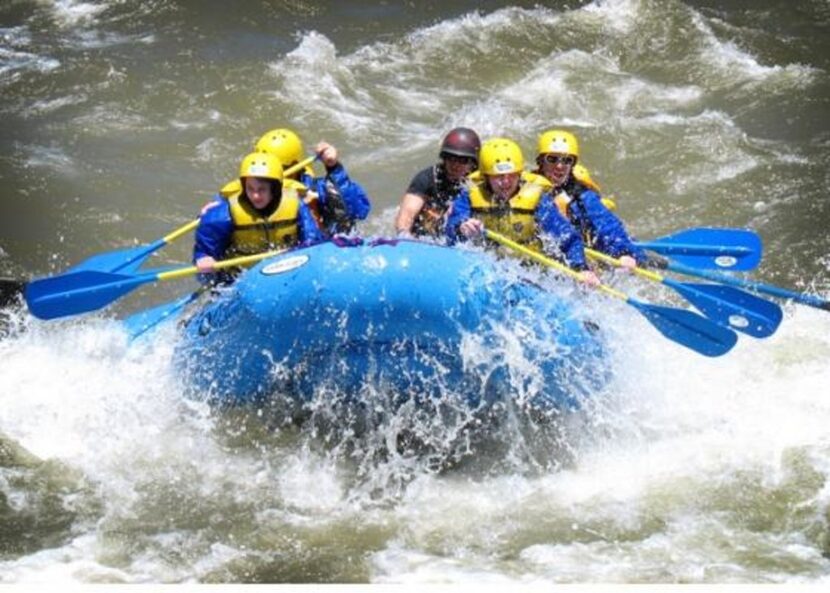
555,159
461,160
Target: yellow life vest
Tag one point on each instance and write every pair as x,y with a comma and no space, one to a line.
254,234
433,214
231,188
516,217
582,175
563,201
430,220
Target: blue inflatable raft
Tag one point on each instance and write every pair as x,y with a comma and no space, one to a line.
401,320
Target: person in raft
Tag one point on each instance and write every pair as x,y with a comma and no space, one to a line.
335,200
423,208
504,198
267,213
577,198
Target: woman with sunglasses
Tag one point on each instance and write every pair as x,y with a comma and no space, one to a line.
425,202
504,198
578,199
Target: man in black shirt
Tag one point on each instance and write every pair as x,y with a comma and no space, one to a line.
424,205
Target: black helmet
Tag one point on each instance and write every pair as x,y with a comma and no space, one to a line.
461,142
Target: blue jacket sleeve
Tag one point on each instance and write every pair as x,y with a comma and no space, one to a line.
608,231
309,231
213,235
460,210
563,240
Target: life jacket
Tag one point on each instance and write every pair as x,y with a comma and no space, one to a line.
515,218
568,198
310,198
253,233
231,188
430,219
582,175
563,201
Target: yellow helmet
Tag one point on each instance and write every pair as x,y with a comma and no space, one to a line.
283,144
558,142
260,164
500,156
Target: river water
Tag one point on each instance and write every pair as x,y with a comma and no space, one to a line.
121,118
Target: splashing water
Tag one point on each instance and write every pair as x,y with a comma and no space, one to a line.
683,469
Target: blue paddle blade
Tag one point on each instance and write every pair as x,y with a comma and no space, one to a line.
123,260
139,323
732,307
688,328
78,292
769,289
711,248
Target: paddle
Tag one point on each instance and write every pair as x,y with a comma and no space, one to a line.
123,260
679,325
710,248
139,323
130,259
776,291
101,270
88,290
727,306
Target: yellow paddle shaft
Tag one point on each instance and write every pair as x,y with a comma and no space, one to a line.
298,166
551,263
605,258
181,231
221,265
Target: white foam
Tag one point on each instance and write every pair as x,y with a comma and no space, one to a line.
13,63
733,64
391,86
45,106
63,566
682,436
675,428
72,13
50,157
648,494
